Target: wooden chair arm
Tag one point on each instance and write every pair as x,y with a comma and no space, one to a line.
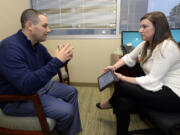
37,105
5,98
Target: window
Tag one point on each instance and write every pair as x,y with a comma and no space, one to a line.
80,17
130,14
171,8
102,18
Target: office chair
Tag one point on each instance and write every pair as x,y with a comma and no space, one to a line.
33,125
164,123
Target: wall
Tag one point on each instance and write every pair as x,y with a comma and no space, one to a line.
10,11
89,59
90,55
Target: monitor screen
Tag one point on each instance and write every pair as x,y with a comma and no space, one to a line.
130,38
176,34
134,38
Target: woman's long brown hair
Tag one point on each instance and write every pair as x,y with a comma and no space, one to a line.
162,32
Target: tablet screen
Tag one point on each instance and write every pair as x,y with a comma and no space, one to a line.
106,79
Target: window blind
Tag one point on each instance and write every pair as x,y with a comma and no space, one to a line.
81,14
102,18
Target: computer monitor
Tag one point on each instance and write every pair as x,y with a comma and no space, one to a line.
134,38
176,34
130,38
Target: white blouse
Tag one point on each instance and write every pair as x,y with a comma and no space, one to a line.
162,68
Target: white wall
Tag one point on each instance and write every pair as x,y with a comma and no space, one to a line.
89,59
10,12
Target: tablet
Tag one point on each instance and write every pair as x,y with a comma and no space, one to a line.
106,79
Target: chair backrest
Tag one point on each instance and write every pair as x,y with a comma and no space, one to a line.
64,75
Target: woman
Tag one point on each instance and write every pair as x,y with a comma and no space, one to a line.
159,88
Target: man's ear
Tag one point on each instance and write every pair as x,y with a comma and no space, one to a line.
29,25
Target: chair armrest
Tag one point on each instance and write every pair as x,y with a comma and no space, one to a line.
37,105
5,98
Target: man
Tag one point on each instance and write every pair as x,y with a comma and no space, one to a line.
26,67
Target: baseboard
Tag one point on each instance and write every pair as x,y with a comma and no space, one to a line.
84,84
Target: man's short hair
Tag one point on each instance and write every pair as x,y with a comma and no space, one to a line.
30,15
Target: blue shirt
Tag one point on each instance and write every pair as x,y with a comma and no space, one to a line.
25,68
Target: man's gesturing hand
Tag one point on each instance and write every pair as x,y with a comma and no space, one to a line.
64,52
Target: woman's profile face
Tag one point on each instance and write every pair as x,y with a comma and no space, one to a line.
147,30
